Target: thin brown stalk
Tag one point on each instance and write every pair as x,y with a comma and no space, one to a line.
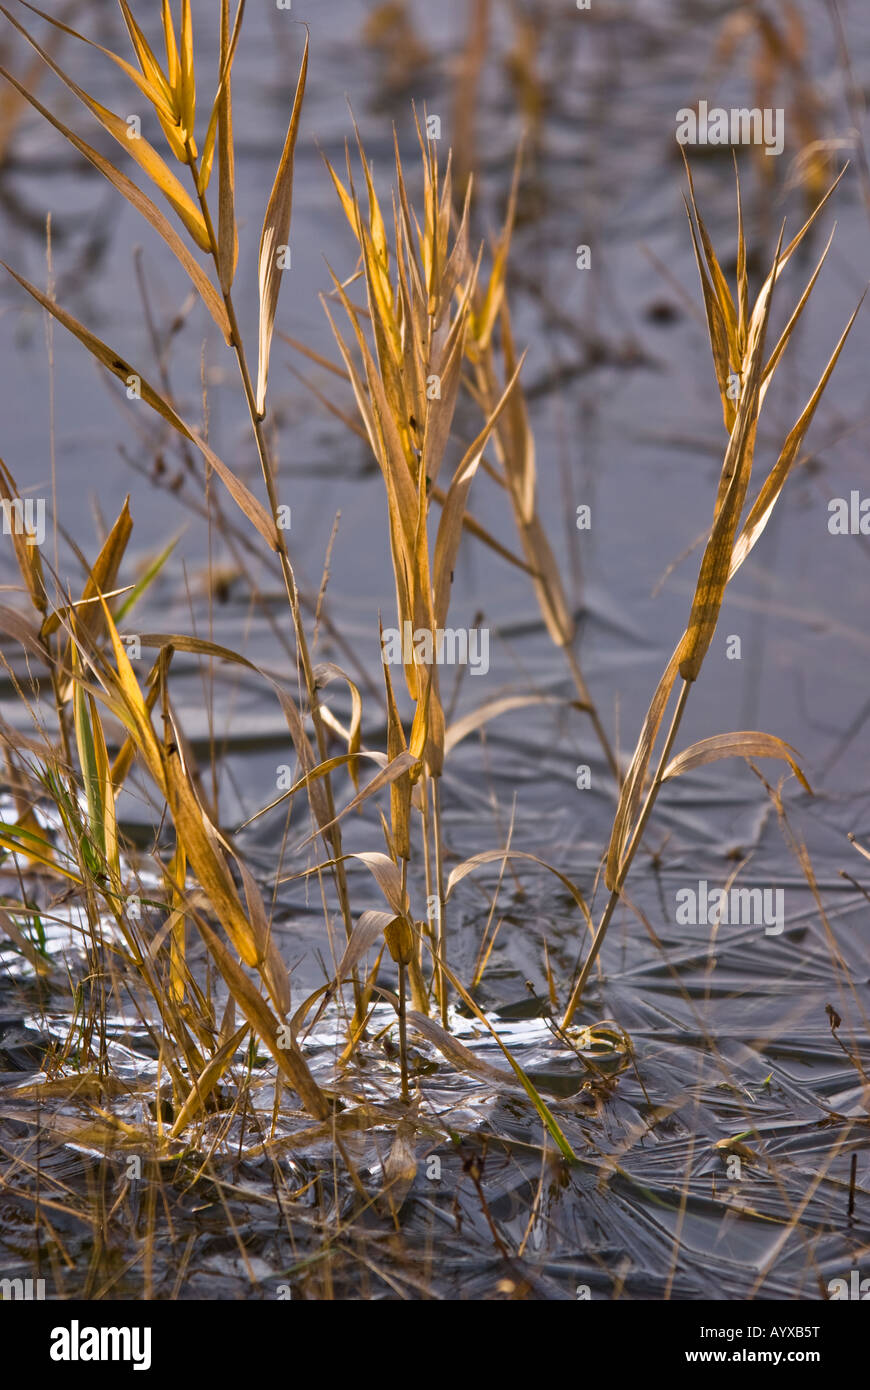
601,932
268,471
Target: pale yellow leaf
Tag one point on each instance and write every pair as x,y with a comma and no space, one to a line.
276,230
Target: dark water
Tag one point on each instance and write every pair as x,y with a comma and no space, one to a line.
729,1031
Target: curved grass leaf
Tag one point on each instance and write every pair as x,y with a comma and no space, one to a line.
276,230
139,149
476,719
143,204
746,744
264,1023
253,510
156,92
207,1080
491,856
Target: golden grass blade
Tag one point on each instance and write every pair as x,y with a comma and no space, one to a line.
746,744
276,229
143,204
742,276
420,727
400,790
187,72
206,860
549,589
17,840
261,1019
632,787
104,774
154,91
368,930
18,628
449,531
491,856
347,202
324,673
144,583
516,449
388,335
138,711
423,683
96,779
368,429
101,579
253,510
272,966
144,154
395,769
298,1020
173,67
420,290
88,763
715,564
27,556
716,329
480,533
386,445
322,769
376,221
37,962
486,316
387,877
419,354
519,458
761,509
372,238
457,1054
221,129
154,73
208,149
775,356
440,412
798,238
380,423
206,849
147,61
476,719
110,694
207,1080
177,876
198,646
127,752
537,1100
717,279
786,254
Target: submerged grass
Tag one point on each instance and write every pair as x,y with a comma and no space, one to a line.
434,330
